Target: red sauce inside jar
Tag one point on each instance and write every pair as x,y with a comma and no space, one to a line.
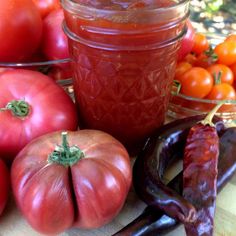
123,67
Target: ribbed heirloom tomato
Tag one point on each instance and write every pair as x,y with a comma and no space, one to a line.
20,30
71,179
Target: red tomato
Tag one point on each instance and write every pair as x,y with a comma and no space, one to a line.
20,30
200,44
196,82
55,43
233,69
88,191
44,107
226,52
46,6
222,72
187,42
4,185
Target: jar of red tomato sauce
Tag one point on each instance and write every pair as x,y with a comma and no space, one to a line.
124,56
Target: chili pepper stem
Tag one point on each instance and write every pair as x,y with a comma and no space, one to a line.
64,154
19,108
209,117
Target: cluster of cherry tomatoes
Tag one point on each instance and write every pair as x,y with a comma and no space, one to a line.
209,73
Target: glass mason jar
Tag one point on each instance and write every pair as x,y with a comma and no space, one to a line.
124,54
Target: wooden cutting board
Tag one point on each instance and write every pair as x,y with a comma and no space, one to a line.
13,224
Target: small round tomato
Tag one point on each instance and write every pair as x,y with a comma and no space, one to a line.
206,59
226,53
196,82
233,69
4,185
181,68
200,43
222,91
231,37
20,30
222,72
187,41
66,179
190,58
46,6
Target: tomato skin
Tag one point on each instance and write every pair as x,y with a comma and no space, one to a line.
20,30
196,82
4,185
46,6
100,182
181,68
55,43
200,44
222,92
204,61
227,75
231,37
51,109
226,53
187,41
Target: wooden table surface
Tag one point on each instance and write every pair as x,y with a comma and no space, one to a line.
13,224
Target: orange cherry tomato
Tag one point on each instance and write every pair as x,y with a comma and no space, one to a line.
233,69
201,43
225,73
226,52
203,60
231,37
222,91
190,58
181,68
196,82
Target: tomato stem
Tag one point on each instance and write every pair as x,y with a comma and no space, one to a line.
19,108
209,117
217,78
64,154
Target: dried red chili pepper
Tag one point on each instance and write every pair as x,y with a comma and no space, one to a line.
200,174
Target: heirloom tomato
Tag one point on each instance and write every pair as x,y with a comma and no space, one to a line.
31,104
4,185
20,30
71,179
46,6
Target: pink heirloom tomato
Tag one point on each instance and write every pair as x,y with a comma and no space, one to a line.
31,104
71,179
